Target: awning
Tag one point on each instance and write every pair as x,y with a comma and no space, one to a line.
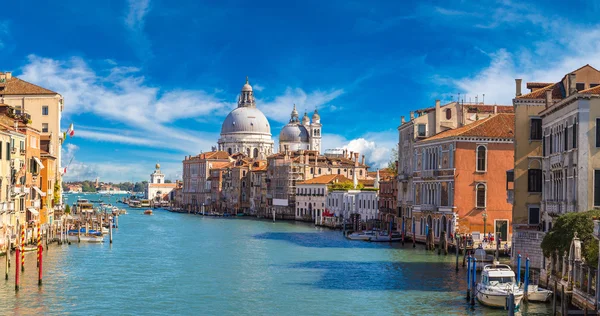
33,211
39,162
39,191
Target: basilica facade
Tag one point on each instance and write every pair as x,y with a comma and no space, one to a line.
246,129
301,135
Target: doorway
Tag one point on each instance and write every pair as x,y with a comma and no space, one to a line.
501,228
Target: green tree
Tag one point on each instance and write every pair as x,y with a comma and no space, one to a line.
168,181
562,232
140,186
345,186
67,209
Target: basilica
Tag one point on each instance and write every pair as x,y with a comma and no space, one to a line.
246,130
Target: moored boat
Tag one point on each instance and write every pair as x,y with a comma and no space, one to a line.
497,283
361,235
537,294
148,212
385,237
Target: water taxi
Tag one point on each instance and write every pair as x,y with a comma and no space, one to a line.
497,283
145,203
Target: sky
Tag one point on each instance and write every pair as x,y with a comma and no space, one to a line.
147,81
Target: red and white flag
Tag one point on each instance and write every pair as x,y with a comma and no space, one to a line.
71,130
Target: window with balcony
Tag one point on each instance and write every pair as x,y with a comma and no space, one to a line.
421,130
481,195
535,129
534,180
481,158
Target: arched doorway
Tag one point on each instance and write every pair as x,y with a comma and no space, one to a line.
444,225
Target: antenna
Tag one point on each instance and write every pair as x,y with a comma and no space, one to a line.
483,98
477,99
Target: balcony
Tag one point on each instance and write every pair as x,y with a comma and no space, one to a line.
428,207
402,177
556,160
427,174
555,208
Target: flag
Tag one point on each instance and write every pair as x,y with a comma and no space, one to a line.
64,135
71,130
65,170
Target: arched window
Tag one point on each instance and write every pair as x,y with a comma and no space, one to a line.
229,151
451,154
255,153
448,114
248,152
481,158
481,195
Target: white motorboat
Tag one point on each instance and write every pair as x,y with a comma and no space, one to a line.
361,235
385,237
497,282
86,238
537,294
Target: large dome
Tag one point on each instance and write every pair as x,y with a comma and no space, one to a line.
246,120
293,133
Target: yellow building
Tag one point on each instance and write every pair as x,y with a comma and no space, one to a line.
546,160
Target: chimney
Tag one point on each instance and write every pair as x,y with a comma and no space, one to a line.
8,75
518,87
356,159
438,117
412,115
351,154
548,98
306,159
572,84
402,121
363,159
495,109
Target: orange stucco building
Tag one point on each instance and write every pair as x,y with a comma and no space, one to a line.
460,179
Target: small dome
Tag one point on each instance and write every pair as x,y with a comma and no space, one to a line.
247,86
246,120
316,116
293,133
157,166
305,119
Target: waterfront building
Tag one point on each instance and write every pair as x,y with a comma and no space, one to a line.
301,135
258,187
43,110
425,123
157,189
288,168
196,178
311,196
459,179
388,196
343,203
30,149
48,180
555,155
246,129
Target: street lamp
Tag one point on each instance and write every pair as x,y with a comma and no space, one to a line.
484,215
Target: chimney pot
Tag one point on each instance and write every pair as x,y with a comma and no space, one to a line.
412,115
363,159
572,84
495,109
518,86
356,159
438,117
402,119
8,75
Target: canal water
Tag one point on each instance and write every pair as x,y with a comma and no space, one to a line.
184,264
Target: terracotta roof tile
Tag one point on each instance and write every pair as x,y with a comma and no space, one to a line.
556,88
496,126
594,90
163,185
490,108
326,179
534,85
15,85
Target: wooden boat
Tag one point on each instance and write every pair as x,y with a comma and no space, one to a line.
148,212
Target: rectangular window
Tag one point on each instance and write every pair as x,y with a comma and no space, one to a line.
594,85
580,86
596,187
575,134
598,132
7,151
544,153
534,215
534,180
551,145
44,127
44,110
535,129
566,137
421,130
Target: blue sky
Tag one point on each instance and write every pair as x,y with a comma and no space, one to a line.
148,80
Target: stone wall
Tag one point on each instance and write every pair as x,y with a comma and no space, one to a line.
527,243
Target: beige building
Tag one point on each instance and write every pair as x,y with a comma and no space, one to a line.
196,178
555,155
311,196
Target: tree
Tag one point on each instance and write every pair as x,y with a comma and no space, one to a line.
562,232
345,186
168,181
67,209
140,186
393,160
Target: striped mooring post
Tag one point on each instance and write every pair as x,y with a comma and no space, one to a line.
39,243
22,248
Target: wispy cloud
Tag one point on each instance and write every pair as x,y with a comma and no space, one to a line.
375,146
3,33
135,22
280,107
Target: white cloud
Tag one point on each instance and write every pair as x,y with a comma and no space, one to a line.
137,10
376,146
280,107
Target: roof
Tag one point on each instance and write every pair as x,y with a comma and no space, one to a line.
496,126
212,155
162,185
541,93
220,164
594,90
15,85
480,108
537,85
326,179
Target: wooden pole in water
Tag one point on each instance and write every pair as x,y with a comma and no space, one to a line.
22,249
117,223
473,281
511,304
554,298
456,248
464,251
414,239
526,281
563,301
39,243
17,270
468,278
79,233
110,232
7,255
40,254
519,270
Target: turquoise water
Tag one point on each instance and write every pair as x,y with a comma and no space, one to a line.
185,264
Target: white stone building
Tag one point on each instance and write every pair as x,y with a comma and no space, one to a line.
311,196
157,188
303,135
246,129
364,202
